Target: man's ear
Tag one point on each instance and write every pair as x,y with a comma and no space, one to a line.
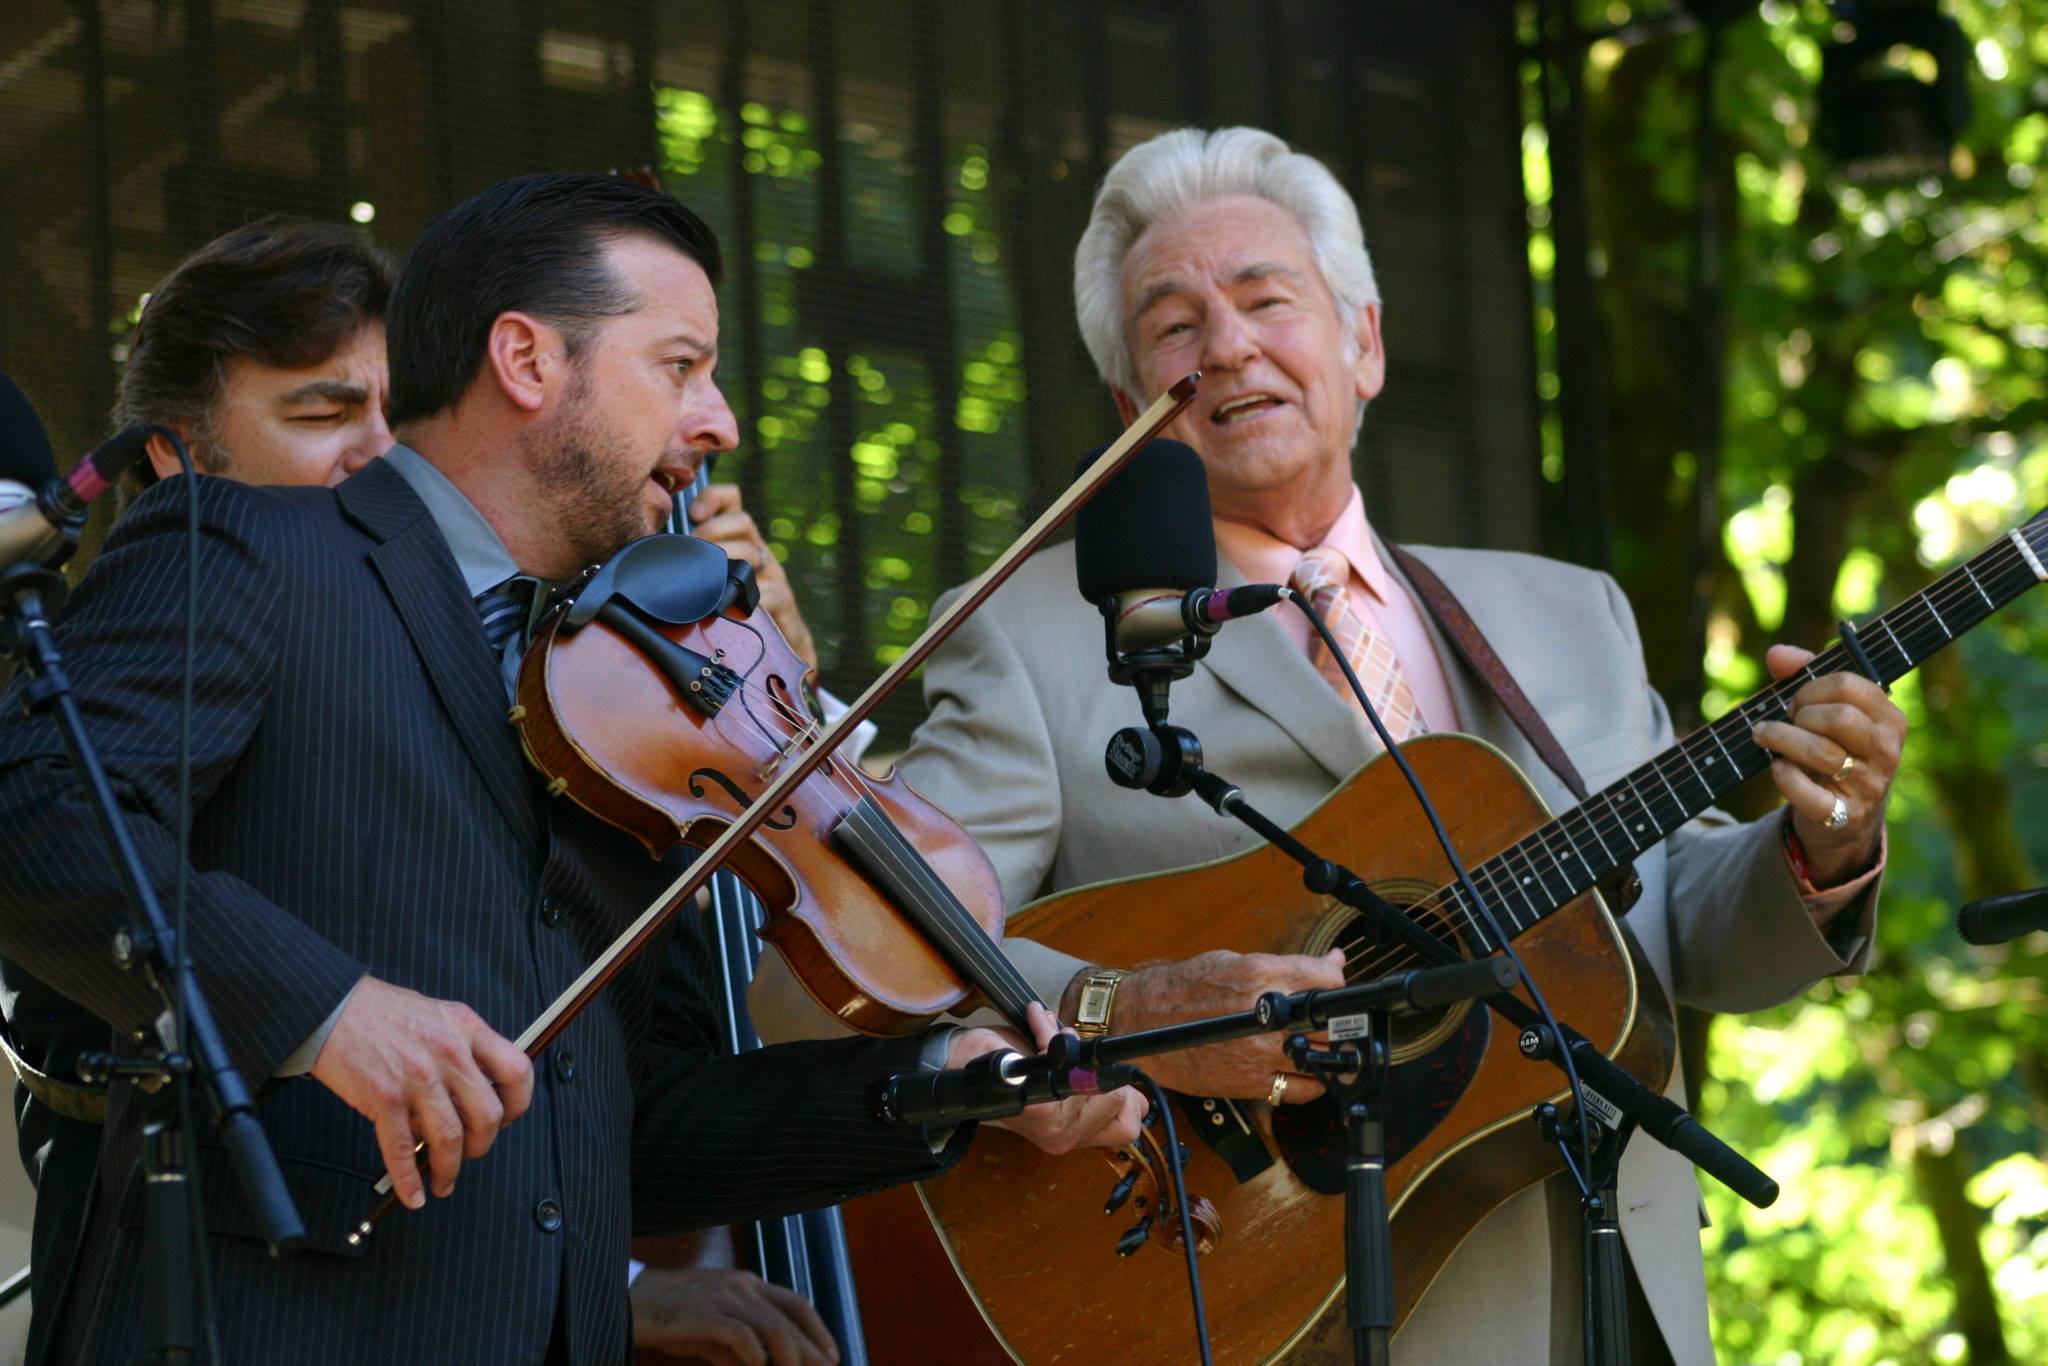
1125,408
1370,369
519,355
164,460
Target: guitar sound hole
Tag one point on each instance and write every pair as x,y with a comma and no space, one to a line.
1434,1056
1368,958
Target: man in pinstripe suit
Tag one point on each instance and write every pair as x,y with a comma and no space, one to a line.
364,819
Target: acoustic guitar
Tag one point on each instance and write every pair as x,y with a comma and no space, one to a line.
1027,1232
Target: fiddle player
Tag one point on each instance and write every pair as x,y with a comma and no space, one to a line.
1227,253
265,350
364,820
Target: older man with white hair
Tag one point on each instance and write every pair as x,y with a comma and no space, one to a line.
1228,253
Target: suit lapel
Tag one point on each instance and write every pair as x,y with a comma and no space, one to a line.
1257,660
419,574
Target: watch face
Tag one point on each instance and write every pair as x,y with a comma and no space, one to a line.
1095,999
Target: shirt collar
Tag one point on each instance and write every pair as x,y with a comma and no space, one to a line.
480,555
1263,557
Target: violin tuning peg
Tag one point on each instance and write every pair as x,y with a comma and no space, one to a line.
1121,1192
1134,1237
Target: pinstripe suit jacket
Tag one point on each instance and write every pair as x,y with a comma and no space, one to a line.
360,805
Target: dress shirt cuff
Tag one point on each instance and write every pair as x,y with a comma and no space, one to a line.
1826,904
830,709
307,1053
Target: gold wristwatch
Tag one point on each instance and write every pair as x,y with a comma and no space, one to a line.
1098,996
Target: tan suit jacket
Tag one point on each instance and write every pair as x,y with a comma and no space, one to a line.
1021,708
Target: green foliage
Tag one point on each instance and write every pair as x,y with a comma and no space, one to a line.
875,458
1887,367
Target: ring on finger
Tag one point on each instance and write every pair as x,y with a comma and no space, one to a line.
1838,817
1848,763
1280,1080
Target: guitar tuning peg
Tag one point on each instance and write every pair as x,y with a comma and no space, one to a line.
1134,1237
1121,1192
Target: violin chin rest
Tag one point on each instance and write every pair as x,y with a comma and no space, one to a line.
674,579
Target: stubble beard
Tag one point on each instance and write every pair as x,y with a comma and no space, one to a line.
585,473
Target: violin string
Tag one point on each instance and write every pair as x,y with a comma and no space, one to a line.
850,784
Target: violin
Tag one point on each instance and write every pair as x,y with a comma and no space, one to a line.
887,912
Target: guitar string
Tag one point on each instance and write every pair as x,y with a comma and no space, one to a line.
1954,581
1962,586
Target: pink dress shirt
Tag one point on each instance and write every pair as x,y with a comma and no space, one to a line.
1376,595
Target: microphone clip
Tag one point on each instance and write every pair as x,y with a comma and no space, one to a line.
1152,670
1161,759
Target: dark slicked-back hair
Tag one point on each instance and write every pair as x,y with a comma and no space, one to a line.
533,244
284,292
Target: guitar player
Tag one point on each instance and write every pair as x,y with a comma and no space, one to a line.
1226,252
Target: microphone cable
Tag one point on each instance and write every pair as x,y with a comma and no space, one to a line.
1580,1174
196,1217
1187,1218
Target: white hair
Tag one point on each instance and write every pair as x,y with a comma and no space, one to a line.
1176,171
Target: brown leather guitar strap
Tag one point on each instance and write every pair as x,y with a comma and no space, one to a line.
1623,887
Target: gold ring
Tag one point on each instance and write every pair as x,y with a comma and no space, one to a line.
1848,762
1838,817
1280,1080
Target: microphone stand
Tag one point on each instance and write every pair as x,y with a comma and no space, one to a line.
163,1078
1167,760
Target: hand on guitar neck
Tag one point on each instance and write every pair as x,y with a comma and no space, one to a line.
1218,983
1840,742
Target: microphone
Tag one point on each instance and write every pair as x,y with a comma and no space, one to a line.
42,523
1995,919
26,461
994,1086
1143,543
1145,555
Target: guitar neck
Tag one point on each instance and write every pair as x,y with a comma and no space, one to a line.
1546,870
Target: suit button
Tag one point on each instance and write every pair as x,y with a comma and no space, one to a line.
550,911
548,1215
565,1064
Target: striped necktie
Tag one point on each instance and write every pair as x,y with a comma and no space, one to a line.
502,610
1324,576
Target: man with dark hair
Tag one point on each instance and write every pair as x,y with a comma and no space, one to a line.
364,819
264,349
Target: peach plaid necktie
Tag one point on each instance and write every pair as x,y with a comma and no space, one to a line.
1323,576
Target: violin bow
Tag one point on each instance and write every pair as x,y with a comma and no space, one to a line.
630,941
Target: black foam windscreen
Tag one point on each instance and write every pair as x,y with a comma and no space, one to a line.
1148,527
25,455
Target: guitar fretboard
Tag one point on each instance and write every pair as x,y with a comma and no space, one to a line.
1546,870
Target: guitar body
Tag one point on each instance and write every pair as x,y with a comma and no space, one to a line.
1026,1231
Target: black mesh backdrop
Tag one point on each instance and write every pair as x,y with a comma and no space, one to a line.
900,184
